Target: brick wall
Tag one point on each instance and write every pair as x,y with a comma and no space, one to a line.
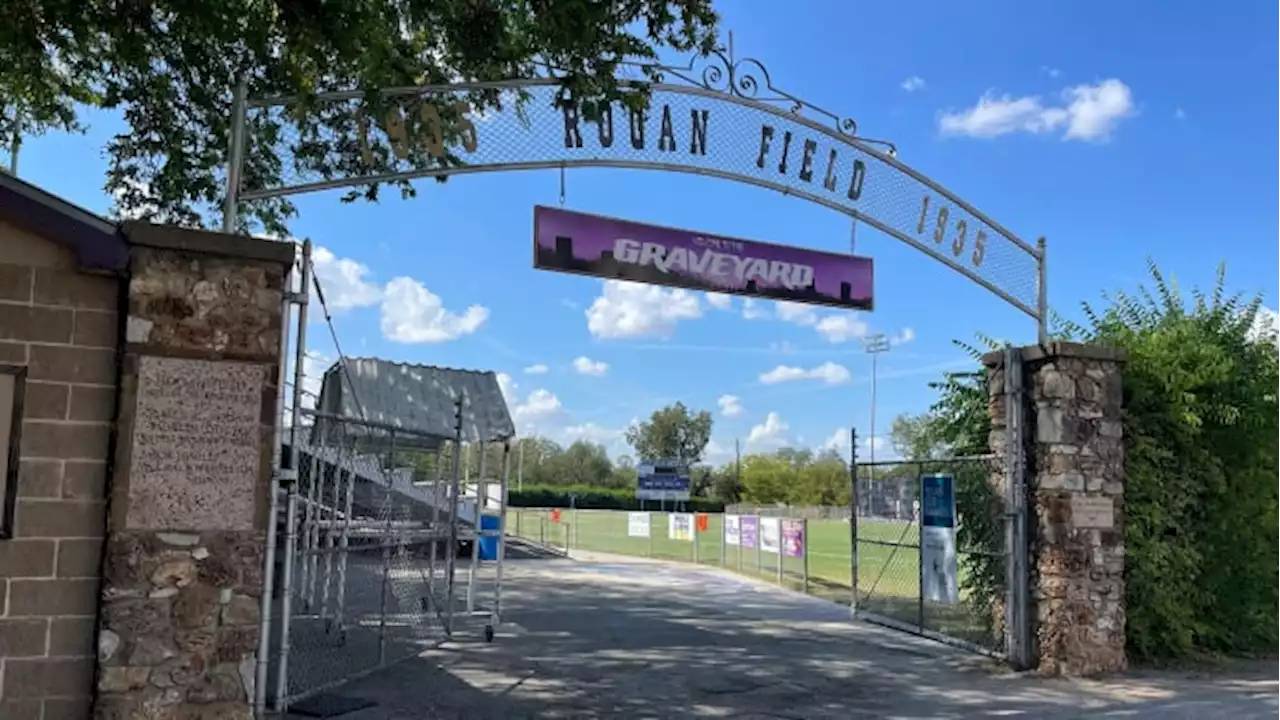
62,325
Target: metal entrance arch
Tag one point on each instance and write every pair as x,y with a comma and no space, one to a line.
717,116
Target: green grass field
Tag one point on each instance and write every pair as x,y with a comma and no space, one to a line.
888,561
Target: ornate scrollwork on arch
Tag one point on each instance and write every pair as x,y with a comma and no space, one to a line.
748,78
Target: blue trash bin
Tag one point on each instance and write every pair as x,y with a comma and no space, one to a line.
489,543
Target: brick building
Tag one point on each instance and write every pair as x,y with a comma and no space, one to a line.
84,305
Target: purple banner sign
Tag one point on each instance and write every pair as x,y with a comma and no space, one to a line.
623,250
793,538
749,530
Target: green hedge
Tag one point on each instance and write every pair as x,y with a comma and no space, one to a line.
1200,424
596,498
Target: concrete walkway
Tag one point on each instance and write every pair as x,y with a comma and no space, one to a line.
609,637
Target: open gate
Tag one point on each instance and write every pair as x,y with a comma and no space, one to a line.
940,546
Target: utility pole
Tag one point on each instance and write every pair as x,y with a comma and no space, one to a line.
874,345
737,465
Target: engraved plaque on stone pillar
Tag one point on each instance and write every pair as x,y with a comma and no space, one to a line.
1093,512
196,455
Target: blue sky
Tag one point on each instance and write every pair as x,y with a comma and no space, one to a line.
1117,131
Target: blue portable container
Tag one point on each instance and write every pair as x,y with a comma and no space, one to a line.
489,543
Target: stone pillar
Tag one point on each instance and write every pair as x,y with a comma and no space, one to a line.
1075,479
186,526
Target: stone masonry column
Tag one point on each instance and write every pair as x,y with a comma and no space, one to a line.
1075,479
186,525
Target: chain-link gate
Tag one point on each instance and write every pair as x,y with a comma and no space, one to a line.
900,567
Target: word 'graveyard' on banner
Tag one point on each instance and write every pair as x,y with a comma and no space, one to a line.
573,242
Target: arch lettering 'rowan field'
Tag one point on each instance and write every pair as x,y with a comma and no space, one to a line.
718,117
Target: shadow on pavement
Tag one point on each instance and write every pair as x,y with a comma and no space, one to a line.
627,639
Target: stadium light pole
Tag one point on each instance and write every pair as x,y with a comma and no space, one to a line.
874,345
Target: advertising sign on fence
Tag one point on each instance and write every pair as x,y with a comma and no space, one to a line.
749,527
663,480
611,248
793,538
638,524
680,526
732,530
938,578
770,534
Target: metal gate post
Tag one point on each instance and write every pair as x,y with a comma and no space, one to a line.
1017,576
804,549
481,490
273,510
696,535
289,478
451,549
853,520
388,473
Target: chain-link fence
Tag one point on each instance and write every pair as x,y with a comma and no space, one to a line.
349,139
783,557
375,560
812,512
894,565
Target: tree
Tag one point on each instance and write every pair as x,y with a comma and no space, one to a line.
672,433
170,69
766,479
725,486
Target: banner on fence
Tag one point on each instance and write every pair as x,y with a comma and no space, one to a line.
680,526
749,526
638,524
555,516
938,577
732,530
770,534
793,538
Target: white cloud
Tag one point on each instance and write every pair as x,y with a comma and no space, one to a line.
730,405
794,312
626,309
839,442
587,366
719,301
903,336
314,365
841,328
1052,72
593,433
828,372
540,406
1085,112
717,452
508,387
752,309
344,282
770,433
413,314
913,83
538,369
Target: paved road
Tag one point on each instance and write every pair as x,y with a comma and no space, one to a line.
608,637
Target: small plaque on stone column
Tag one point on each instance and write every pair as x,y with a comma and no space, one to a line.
196,455
1093,512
